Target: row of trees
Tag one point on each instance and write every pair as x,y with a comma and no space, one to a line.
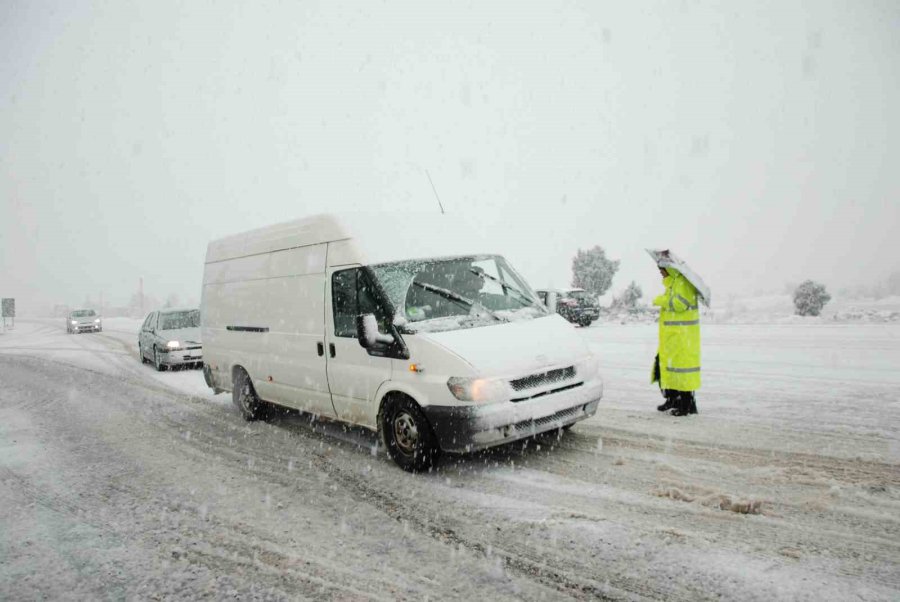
137,307
888,287
593,271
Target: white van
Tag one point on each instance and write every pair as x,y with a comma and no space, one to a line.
394,325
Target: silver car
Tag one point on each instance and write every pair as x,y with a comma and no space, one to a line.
171,337
83,320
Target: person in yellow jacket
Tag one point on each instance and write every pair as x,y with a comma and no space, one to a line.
677,364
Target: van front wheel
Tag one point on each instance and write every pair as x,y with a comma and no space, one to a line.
244,397
408,437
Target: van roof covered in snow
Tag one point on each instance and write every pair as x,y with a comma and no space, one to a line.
375,237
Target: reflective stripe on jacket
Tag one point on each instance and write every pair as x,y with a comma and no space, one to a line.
679,334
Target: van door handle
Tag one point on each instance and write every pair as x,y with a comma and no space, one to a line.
331,349
320,348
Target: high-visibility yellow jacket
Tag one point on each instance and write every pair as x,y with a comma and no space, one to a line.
679,334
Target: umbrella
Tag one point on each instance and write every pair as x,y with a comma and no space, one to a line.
666,259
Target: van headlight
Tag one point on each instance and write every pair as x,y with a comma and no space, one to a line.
588,368
97,321
173,345
480,390
74,321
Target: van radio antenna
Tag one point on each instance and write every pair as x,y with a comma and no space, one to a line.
441,205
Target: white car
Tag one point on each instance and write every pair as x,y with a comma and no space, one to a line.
83,320
171,337
391,323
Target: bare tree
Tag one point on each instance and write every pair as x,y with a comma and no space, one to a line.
629,297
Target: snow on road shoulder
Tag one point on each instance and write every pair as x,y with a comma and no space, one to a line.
185,380
113,351
829,389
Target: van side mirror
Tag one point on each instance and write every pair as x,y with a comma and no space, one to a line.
367,332
552,301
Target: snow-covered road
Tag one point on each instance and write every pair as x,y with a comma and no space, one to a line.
117,481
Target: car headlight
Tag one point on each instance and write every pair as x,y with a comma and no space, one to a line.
587,368
74,321
173,345
480,390
97,321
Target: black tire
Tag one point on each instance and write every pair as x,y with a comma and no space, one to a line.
407,435
156,363
244,397
141,353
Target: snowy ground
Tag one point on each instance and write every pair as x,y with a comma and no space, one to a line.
117,481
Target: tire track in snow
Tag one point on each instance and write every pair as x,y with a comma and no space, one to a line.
234,547
857,472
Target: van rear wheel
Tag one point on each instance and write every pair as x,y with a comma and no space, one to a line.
244,397
407,435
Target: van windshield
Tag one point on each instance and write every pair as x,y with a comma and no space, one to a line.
432,295
581,296
83,313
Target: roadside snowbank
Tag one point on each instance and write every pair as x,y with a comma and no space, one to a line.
772,309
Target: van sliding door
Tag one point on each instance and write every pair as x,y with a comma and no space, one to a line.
291,357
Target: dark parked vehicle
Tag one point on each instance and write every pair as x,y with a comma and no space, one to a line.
575,304
171,337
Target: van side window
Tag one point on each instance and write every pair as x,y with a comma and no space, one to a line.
352,294
343,301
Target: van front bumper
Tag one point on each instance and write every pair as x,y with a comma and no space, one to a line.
473,427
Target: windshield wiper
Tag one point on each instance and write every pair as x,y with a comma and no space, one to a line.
522,296
448,294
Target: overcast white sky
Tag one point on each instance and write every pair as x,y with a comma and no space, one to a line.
760,141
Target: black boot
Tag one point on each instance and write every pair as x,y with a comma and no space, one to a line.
692,405
671,401
685,404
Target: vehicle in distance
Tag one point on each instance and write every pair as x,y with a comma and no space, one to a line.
575,304
444,351
83,320
171,337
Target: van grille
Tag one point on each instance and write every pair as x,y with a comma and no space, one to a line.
526,397
543,378
536,425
